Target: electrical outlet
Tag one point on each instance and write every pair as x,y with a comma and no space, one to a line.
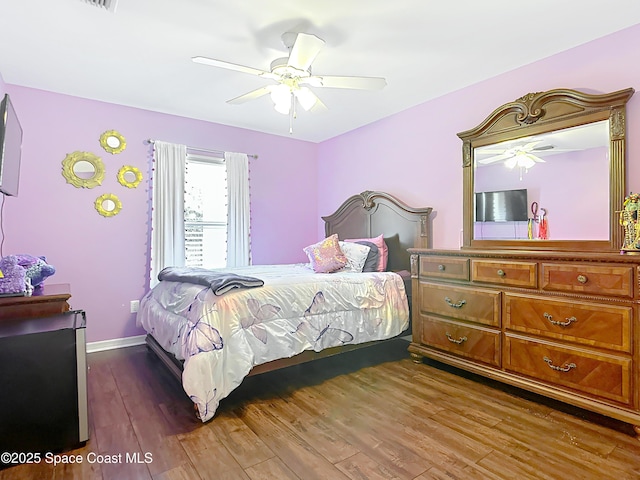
135,304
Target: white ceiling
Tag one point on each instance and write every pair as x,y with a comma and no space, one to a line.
140,56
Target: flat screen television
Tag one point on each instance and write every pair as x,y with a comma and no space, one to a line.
502,206
10,148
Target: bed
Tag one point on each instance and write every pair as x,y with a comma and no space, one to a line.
275,316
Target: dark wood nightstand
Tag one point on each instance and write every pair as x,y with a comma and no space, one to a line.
49,300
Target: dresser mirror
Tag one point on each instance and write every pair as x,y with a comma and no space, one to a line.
547,172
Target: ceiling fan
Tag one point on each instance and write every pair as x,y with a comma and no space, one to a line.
517,156
293,76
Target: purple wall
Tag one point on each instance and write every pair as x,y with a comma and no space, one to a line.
417,156
414,155
105,259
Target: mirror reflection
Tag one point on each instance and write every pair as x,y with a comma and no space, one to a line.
84,169
113,142
534,187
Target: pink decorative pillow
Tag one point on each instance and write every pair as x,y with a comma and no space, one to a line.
382,249
326,256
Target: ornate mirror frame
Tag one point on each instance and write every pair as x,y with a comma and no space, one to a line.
544,112
69,174
122,176
112,142
102,200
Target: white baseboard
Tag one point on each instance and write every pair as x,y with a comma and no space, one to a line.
115,343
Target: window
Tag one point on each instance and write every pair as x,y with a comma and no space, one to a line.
205,212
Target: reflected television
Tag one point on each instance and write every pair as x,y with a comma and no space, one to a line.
502,206
10,148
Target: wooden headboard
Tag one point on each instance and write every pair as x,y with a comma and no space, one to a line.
370,214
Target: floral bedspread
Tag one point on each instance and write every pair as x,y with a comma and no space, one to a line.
222,337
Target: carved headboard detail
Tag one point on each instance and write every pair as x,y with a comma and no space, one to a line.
370,214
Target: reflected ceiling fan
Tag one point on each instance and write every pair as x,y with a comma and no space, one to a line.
293,76
517,156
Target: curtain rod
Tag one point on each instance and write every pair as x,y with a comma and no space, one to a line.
217,152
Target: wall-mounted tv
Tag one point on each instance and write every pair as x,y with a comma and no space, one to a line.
502,206
10,148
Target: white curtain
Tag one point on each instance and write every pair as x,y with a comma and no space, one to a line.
238,212
167,216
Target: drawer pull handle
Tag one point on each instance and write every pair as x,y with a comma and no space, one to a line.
582,279
454,305
565,368
453,340
566,323
441,267
501,273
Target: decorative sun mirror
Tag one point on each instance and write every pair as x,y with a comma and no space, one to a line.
112,142
83,169
547,172
129,176
108,205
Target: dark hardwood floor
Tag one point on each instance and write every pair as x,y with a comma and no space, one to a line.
369,414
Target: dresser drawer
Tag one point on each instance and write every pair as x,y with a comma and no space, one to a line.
598,325
594,279
469,341
587,371
513,274
445,268
462,303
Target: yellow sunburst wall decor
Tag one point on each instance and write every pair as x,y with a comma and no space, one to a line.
108,205
129,176
112,142
83,169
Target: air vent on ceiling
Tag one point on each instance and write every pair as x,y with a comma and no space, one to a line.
109,5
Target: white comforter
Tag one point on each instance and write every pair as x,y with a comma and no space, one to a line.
222,337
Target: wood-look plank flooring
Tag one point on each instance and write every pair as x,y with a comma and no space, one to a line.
369,414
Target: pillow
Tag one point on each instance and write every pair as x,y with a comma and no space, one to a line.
383,251
326,256
373,258
356,256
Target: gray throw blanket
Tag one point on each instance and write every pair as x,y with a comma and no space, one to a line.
220,282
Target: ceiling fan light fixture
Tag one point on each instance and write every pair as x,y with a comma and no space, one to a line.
281,96
525,161
511,162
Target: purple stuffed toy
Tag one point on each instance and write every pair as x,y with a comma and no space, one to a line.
13,279
37,269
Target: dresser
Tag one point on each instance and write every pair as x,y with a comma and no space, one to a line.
51,299
560,324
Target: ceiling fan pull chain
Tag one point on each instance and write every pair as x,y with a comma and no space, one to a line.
292,113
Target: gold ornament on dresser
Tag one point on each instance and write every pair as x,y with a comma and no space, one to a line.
631,224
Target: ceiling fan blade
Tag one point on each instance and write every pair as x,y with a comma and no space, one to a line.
251,95
232,66
319,107
497,158
529,146
356,83
543,147
304,51
306,98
